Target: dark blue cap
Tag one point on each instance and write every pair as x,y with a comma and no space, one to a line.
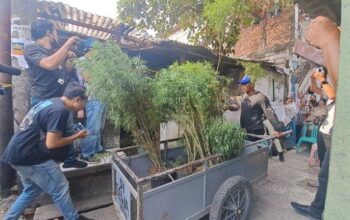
245,80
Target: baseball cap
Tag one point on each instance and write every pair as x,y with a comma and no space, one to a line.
245,80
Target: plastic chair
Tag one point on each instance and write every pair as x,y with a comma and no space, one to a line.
312,139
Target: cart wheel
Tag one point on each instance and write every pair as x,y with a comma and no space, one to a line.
233,200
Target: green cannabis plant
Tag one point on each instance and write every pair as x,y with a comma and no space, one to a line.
224,138
190,94
121,83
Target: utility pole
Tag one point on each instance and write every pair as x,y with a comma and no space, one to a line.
7,174
23,14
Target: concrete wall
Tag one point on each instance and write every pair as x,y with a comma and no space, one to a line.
270,33
338,193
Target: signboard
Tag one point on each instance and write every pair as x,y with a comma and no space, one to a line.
20,37
122,196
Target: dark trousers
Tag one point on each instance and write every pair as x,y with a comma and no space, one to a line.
298,129
7,179
256,132
317,206
321,148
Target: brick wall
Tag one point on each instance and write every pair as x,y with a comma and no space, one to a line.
273,32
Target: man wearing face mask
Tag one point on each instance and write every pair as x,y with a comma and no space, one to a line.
45,61
46,65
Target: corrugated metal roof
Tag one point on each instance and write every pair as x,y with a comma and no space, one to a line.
71,19
79,22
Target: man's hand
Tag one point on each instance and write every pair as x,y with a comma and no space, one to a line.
70,55
277,134
234,107
321,31
72,40
55,60
319,76
82,134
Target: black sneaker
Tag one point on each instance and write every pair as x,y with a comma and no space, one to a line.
75,164
281,157
93,159
81,217
306,211
313,184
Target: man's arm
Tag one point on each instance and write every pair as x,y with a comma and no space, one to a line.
270,114
324,34
326,87
55,140
55,60
313,86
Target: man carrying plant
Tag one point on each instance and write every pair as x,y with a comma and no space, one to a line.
257,113
46,65
35,148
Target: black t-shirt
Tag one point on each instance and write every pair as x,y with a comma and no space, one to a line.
46,84
27,146
255,109
252,113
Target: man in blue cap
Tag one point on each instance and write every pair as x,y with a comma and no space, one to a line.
257,113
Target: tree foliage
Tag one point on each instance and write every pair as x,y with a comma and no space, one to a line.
254,70
211,23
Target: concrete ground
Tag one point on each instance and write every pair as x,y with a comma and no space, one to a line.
286,182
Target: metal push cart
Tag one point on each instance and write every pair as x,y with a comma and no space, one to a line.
223,190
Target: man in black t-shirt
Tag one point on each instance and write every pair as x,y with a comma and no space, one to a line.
257,113
46,66
45,60
38,145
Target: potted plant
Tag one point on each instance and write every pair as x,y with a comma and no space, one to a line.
224,138
192,95
123,85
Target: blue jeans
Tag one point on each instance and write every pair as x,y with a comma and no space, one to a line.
71,154
96,116
45,177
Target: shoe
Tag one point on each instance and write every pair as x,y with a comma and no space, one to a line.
75,164
305,210
81,217
313,184
93,159
103,153
281,157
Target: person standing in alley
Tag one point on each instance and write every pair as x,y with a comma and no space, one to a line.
324,34
257,113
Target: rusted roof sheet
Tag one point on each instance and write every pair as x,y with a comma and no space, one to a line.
71,19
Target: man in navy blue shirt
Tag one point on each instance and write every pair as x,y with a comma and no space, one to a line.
35,149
